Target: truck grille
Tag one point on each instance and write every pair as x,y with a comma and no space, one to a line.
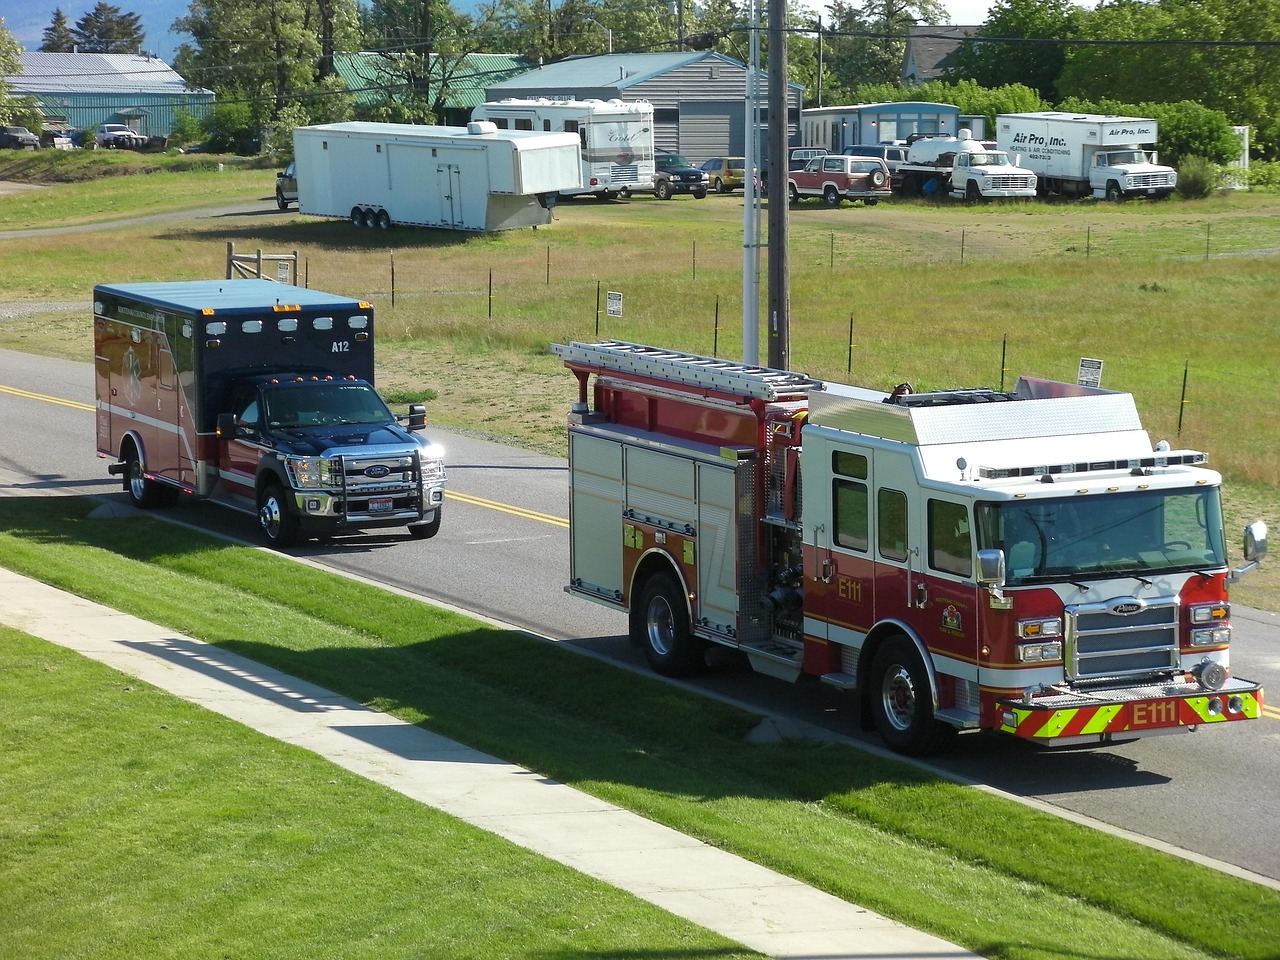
1011,183
1151,180
366,476
1104,640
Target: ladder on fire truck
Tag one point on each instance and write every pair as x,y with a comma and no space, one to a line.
763,383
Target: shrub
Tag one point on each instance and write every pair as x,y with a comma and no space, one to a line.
1197,178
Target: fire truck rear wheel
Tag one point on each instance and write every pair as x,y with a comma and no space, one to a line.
279,525
143,493
901,702
662,621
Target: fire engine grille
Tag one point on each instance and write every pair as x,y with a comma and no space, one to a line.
1105,640
1149,180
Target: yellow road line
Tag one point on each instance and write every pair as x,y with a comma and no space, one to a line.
40,396
506,508
1271,713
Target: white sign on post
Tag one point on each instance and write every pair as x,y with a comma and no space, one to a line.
613,303
282,271
1090,374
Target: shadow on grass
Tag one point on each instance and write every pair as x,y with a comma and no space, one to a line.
326,234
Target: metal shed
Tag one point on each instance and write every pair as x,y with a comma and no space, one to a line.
93,88
698,98
838,127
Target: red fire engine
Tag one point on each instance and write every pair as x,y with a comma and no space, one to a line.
1025,562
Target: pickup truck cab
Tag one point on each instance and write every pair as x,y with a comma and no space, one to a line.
835,177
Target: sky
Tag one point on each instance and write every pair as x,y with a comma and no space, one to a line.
26,19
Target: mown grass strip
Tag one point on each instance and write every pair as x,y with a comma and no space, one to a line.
1003,880
135,825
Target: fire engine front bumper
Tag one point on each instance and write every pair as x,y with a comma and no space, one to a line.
1100,716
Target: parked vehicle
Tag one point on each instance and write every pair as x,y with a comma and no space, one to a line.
287,186
616,138
258,396
674,174
456,178
1088,154
894,156
1024,562
797,159
18,138
119,136
725,174
835,177
964,168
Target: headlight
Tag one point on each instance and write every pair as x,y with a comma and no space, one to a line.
1035,629
310,472
1218,636
1049,651
1210,612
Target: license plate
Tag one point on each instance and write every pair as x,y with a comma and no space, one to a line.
380,504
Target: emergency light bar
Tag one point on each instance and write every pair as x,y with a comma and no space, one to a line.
1172,458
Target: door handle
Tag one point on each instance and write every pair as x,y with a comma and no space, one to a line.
828,570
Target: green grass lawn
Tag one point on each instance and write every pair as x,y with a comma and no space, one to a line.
158,829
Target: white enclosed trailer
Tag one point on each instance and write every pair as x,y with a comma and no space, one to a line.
458,178
1087,154
616,137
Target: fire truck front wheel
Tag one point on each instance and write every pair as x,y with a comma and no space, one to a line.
279,523
901,702
661,624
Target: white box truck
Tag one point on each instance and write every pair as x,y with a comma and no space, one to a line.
616,137
458,178
1087,154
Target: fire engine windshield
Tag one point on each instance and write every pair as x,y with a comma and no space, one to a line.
314,404
1089,538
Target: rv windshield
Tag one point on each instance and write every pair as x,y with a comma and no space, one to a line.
312,404
1094,537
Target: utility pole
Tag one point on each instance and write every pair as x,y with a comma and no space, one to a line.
779,302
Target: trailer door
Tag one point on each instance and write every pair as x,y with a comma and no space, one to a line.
449,189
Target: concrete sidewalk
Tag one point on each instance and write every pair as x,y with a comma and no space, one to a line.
765,911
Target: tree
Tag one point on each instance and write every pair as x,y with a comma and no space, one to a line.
1187,128
105,29
1034,56
867,42
265,55
19,111
972,98
58,37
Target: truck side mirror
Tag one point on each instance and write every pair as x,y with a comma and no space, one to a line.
226,425
1255,541
417,416
991,568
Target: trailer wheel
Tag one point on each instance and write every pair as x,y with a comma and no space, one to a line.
279,524
831,196
1113,191
661,619
901,704
425,531
357,217
384,220
624,193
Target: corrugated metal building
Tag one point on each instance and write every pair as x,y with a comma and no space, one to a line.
87,89
699,99
372,77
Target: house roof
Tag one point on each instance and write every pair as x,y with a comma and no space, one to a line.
97,73
371,77
929,50
619,70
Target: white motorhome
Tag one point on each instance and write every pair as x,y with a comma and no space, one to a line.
1087,154
615,137
457,178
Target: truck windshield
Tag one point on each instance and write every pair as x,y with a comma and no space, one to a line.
1095,537
313,404
986,159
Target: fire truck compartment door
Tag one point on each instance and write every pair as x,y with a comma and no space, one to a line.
595,515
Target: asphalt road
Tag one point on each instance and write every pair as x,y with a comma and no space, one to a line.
503,553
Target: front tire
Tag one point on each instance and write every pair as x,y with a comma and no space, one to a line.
902,703
275,514
793,195
1113,192
663,190
425,531
660,622
831,197
281,202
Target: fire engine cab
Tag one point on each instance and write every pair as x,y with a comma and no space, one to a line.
259,396
1023,562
